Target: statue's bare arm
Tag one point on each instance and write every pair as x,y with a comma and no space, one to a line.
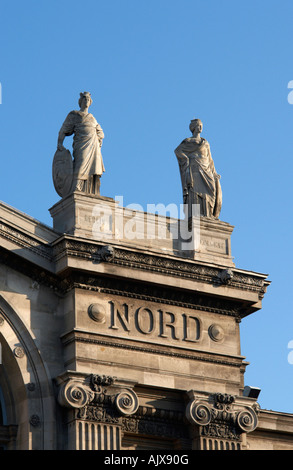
67,129
61,137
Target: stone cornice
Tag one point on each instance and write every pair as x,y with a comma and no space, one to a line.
44,254
279,421
163,264
25,240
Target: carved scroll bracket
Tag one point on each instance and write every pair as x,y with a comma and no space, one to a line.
199,413
222,415
93,393
126,402
74,395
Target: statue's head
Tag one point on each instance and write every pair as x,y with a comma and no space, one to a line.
195,124
85,95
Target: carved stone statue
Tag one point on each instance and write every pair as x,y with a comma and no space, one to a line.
200,181
84,172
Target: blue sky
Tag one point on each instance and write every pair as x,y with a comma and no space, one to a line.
151,66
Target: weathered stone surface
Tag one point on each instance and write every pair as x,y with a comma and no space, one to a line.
117,341
83,174
102,219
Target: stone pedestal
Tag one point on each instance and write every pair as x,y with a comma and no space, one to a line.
102,219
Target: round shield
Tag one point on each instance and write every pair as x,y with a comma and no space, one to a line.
62,172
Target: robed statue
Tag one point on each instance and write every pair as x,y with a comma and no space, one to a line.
83,172
200,181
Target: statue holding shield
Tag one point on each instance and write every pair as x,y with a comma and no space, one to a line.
83,173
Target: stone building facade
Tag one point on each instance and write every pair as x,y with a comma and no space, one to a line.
116,343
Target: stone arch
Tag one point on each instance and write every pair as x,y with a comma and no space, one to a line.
27,390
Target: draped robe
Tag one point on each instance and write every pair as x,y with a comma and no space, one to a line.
87,140
200,181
